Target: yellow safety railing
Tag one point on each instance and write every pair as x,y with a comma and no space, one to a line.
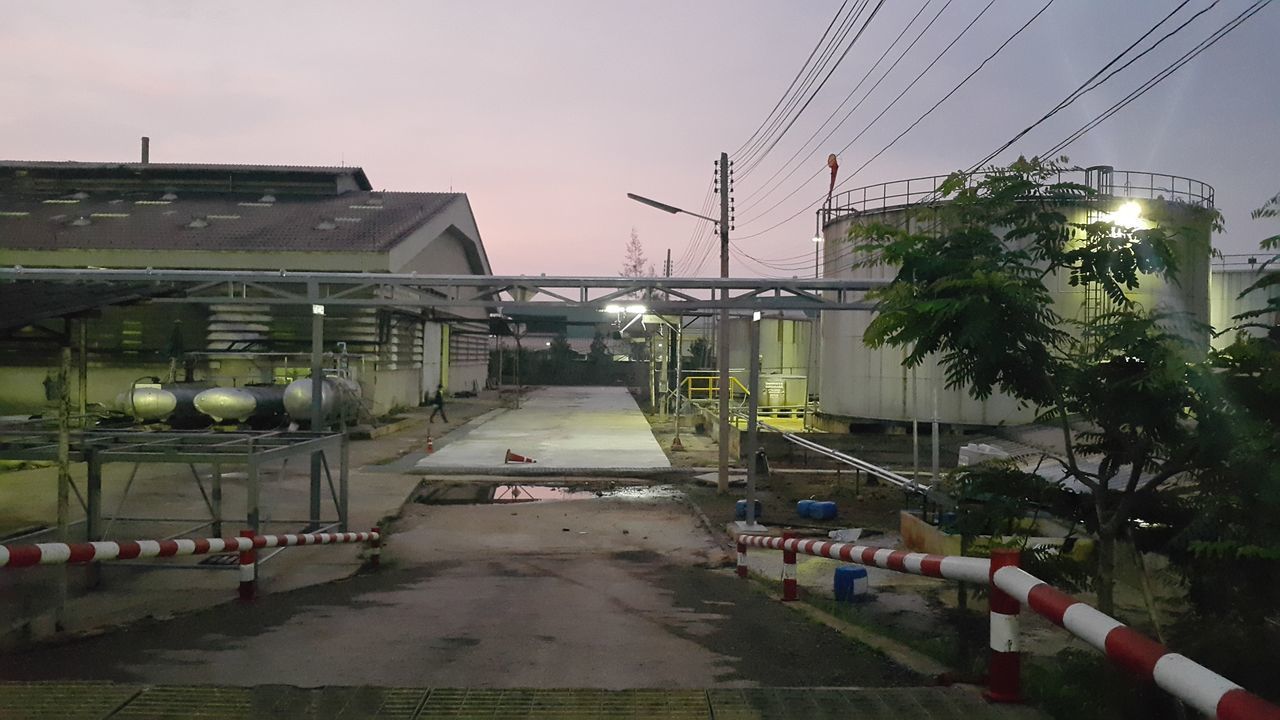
707,387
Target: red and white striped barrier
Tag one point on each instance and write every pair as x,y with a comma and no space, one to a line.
15,556
951,567
1012,588
1194,684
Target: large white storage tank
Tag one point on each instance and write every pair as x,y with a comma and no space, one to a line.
863,384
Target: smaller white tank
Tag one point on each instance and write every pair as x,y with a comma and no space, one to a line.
339,397
147,403
224,403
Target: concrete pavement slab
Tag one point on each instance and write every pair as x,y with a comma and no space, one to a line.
559,427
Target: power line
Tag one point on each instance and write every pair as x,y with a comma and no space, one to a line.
810,72
1085,87
1159,77
760,158
918,120
794,79
846,99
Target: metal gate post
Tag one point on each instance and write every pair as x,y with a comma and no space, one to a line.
375,548
1004,682
789,590
248,569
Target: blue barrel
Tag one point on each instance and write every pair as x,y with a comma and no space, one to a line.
850,583
823,511
740,510
804,508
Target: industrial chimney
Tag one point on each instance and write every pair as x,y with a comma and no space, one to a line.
146,149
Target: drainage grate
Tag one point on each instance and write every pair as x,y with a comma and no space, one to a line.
861,703
540,704
62,701
275,701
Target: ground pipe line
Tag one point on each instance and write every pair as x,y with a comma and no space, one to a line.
1194,684
15,556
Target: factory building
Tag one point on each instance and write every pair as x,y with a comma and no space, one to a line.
240,217
865,386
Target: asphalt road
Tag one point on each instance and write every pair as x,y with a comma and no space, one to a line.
610,592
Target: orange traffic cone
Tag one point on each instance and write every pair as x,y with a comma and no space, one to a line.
514,458
431,448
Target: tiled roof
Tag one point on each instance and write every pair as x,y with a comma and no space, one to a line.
70,171
358,221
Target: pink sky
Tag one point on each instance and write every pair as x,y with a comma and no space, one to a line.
548,113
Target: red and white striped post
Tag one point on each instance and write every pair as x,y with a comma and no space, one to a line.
248,569
1004,681
789,590
375,548
743,570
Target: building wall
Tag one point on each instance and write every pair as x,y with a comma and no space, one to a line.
859,382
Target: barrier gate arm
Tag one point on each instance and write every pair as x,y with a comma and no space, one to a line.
1013,588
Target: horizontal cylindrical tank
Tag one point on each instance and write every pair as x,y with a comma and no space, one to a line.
339,397
223,403
174,403
261,405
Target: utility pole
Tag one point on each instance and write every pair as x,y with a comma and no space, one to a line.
722,482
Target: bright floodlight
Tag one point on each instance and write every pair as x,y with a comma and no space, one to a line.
613,308
817,238
1127,216
637,309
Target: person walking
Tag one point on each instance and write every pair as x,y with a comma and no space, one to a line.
438,402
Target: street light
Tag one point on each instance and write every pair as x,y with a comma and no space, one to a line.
668,208
722,225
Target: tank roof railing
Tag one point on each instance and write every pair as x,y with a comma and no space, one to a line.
898,194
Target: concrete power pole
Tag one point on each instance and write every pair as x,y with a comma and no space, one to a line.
722,482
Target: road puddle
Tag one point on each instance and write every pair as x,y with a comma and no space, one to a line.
514,494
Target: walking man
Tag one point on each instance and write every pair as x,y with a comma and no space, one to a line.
438,402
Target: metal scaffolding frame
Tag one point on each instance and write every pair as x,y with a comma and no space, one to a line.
413,292
252,450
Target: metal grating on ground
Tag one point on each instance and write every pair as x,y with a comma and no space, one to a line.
100,701
196,703
861,703
62,701
547,704
275,701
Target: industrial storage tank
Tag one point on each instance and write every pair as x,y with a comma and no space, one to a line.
173,403
859,383
260,405
339,399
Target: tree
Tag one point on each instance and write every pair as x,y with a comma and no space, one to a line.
973,291
634,263
699,355
1229,548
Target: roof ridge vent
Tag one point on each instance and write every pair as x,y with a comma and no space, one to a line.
79,195
198,221
169,195
326,224
268,196
81,221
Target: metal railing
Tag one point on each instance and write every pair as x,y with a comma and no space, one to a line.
1013,589
1106,181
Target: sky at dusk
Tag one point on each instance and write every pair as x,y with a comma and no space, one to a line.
547,113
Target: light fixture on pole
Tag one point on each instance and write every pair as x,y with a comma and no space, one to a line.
723,185
817,245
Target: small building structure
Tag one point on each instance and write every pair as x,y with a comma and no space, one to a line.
241,217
